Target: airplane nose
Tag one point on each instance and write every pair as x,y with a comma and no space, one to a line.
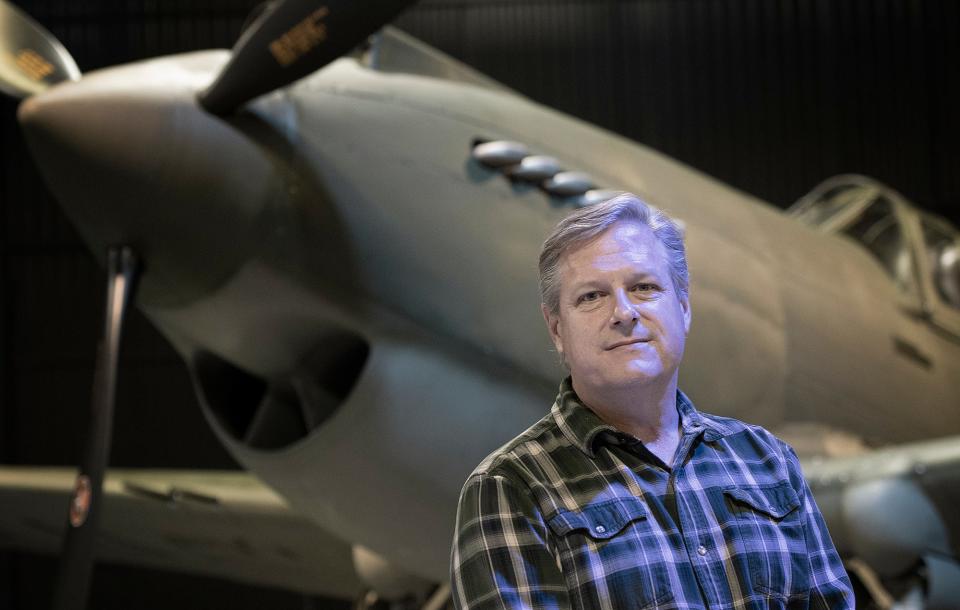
134,160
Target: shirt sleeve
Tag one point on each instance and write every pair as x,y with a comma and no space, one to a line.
501,556
830,587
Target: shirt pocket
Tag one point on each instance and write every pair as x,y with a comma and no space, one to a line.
769,521
611,550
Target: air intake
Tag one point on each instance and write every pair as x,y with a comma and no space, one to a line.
271,414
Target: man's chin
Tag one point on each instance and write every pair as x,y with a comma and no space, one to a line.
636,374
642,372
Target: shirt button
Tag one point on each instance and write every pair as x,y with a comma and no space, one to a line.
701,550
600,529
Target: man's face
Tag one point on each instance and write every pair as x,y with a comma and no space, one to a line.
620,322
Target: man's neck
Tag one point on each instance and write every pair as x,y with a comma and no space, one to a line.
647,412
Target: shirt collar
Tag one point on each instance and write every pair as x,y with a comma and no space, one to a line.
583,427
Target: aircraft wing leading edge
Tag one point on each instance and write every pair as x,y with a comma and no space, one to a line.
893,509
222,524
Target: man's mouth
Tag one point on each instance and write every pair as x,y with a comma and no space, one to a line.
627,342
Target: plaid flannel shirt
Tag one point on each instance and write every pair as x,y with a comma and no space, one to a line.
575,514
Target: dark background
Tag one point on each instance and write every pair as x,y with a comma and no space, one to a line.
771,96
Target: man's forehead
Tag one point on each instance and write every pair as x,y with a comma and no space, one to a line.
625,242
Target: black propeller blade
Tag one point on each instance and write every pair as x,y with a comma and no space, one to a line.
292,39
76,560
31,58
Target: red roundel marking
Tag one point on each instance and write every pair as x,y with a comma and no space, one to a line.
80,503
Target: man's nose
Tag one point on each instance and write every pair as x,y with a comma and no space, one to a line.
625,310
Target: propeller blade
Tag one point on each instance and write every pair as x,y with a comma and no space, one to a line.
31,58
290,40
76,560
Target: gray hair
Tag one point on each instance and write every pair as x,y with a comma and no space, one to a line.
589,222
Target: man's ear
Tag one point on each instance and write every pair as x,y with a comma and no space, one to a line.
687,313
553,327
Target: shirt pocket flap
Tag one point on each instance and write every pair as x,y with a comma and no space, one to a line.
600,521
776,501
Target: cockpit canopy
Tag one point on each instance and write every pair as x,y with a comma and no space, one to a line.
907,243
943,251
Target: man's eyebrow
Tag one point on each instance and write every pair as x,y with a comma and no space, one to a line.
597,283
581,286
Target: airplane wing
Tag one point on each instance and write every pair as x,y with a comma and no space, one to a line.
892,511
223,524
888,510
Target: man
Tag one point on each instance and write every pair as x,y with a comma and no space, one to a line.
624,495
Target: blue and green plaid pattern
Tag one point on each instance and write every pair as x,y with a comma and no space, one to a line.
575,514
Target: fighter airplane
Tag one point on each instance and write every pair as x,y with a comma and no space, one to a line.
347,265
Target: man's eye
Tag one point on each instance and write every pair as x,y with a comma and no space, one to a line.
588,297
646,287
